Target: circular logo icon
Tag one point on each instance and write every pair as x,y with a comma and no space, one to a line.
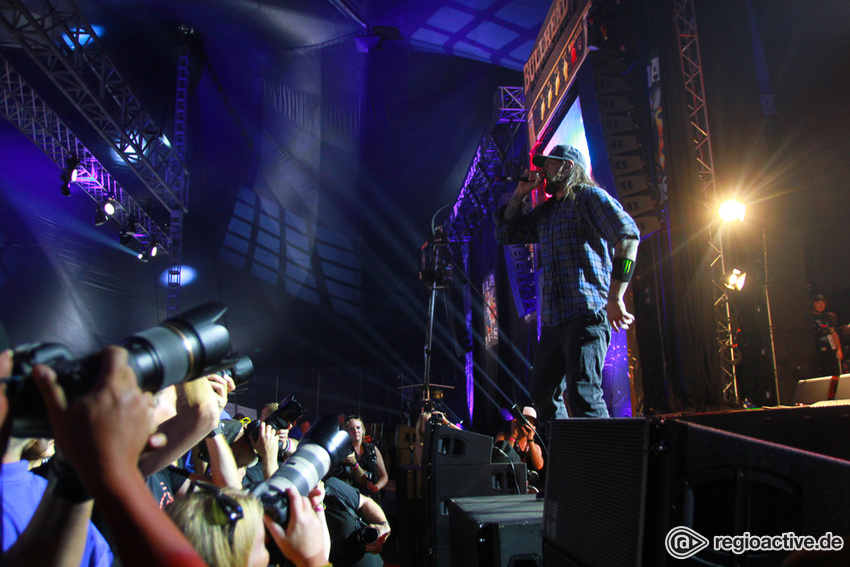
683,542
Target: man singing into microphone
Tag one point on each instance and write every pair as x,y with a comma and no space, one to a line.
587,250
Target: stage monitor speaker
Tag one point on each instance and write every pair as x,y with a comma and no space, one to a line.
497,531
617,487
446,445
447,482
825,388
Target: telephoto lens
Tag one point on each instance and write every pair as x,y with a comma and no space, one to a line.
323,447
182,348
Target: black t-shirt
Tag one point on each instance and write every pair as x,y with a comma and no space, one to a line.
253,475
344,523
164,485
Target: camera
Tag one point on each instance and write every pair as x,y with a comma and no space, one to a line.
323,447
366,534
182,348
241,371
288,412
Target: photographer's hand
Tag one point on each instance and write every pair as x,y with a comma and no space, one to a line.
102,434
303,541
266,446
383,533
111,424
221,386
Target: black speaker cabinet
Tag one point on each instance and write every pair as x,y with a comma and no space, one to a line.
447,482
497,531
448,446
616,487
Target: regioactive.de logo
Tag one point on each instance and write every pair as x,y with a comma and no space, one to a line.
683,542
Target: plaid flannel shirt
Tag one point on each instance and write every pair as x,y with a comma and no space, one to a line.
576,240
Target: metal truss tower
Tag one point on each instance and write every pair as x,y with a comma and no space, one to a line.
492,162
689,54
67,50
181,182
20,104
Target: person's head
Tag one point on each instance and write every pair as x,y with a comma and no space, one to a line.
268,409
305,426
564,167
38,450
530,415
356,429
819,303
221,538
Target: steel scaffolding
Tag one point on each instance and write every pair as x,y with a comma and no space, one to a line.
491,163
20,104
689,55
181,182
67,50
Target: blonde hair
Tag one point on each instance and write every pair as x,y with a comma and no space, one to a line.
197,514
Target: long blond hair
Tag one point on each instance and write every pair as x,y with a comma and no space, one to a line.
197,515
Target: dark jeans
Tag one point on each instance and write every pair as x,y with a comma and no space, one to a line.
568,363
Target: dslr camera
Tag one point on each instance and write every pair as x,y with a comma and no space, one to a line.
323,447
182,348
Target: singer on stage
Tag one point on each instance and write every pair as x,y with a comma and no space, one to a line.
587,250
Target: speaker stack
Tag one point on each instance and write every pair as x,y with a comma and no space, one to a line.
617,487
458,465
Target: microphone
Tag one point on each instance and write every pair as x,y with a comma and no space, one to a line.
515,411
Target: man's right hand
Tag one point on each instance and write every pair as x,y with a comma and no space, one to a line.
266,443
535,178
106,428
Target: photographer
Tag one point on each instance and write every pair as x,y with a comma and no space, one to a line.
358,526
102,434
364,467
185,414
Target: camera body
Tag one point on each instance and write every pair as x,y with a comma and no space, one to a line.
288,412
366,534
182,348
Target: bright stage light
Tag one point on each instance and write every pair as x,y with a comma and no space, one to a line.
736,280
732,210
187,276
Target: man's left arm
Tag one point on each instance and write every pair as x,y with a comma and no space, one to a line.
374,515
625,254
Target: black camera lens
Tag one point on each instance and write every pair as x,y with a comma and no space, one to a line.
182,348
367,535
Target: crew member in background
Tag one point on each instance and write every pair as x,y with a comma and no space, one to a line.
588,246
827,343
521,440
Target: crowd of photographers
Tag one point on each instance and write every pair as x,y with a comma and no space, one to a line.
118,490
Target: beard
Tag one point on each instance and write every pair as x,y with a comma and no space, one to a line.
552,186
558,181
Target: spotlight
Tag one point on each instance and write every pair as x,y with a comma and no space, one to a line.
125,238
100,217
104,209
149,250
735,280
69,174
732,210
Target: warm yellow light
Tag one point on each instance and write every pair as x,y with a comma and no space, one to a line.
736,280
732,210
